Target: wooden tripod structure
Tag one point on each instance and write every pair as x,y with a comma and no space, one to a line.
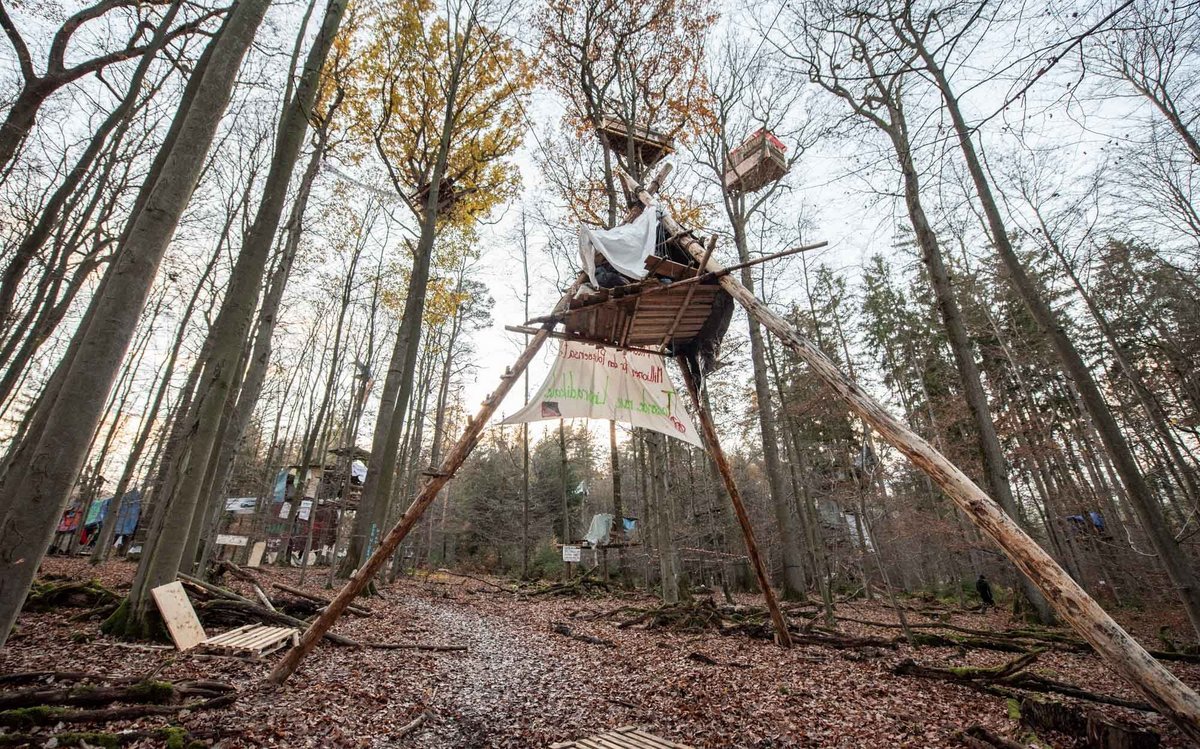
1120,651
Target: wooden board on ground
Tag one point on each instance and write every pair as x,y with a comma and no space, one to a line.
251,640
181,620
247,641
256,553
629,737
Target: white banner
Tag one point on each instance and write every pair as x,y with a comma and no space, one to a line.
589,381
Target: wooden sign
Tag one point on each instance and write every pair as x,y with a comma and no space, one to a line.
572,554
224,539
181,620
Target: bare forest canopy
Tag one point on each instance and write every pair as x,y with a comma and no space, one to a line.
257,261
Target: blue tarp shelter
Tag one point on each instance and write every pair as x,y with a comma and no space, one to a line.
131,511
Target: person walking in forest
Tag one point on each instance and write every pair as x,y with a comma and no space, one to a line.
984,589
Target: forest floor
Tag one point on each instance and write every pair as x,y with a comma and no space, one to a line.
521,684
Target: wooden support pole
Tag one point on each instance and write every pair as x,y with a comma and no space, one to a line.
1120,651
687,298
782,637
429,492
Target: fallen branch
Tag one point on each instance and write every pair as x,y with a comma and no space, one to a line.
479,580
1021,640
358,610
74,593
166,736
24,676
29,717
710,661
978,737
411,726
146,691
1013,676
246,576
414,646
562,629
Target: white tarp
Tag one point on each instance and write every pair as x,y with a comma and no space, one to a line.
599,530
589,381
626,246
358,470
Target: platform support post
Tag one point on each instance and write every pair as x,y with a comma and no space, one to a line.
711,441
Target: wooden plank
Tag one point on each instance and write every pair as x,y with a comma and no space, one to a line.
612,740
179,616
661,266
241,639
661,741
231,634
633,741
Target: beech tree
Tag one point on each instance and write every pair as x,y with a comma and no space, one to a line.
32,500
435,101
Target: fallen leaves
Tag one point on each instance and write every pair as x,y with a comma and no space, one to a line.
519,684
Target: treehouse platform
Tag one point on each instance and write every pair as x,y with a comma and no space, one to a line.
651,146
670,309
756,163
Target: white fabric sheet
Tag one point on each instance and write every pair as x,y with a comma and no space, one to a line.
626,247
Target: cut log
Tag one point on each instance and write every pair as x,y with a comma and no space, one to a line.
1096,731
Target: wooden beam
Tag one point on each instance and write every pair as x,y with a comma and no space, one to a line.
578,339
716,273
687,298
782,637
1125,655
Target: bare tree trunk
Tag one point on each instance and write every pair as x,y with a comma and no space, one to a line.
1141,496
100,343
789,534
1173,698
221,375
101,552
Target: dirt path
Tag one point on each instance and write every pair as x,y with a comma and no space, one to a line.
501,693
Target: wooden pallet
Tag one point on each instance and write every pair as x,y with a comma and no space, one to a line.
251,640
629,737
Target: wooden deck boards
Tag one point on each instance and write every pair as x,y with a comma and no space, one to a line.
627,319
628,737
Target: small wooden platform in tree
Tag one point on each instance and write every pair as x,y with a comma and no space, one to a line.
629,737
651,146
